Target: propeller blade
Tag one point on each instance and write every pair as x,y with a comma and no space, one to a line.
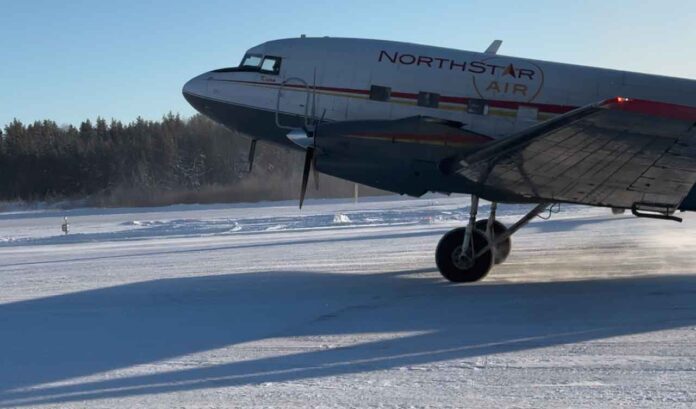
252,151
309,157
306,138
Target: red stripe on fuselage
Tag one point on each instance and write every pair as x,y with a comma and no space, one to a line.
652,108
546,108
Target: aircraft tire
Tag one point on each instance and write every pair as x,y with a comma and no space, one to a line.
448,250
502,251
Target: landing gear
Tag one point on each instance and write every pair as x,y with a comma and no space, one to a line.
459,265
467,254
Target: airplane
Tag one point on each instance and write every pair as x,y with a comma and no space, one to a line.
413,119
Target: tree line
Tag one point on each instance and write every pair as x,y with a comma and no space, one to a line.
144,162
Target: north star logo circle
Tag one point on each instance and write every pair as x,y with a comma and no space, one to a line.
516,80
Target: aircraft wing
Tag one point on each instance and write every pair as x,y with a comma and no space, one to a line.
621,153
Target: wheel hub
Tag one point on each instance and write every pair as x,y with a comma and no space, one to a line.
462,259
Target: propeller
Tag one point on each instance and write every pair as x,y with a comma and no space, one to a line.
309,142
308,165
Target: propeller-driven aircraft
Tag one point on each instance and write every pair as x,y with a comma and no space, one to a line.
412,119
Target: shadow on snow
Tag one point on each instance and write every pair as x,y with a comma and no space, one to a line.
73,335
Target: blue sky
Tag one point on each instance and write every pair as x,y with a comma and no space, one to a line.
69,60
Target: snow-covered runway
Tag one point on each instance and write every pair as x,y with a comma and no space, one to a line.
341,305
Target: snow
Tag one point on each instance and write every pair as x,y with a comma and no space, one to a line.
339,304
341,218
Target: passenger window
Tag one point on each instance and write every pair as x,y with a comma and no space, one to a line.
477,107
428,99
378,93
271,65
527,113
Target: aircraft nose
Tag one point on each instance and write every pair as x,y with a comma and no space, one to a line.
196,86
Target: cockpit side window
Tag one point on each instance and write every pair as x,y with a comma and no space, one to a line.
271,65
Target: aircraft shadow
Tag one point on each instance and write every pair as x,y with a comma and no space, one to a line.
74,335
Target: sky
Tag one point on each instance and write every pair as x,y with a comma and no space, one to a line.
69,60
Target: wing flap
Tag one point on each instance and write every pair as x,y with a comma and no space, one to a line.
616,153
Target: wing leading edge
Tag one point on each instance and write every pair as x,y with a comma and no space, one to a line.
621,152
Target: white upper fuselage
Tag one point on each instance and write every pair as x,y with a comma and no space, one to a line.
354,79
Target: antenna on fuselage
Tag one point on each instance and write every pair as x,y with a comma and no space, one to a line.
494,47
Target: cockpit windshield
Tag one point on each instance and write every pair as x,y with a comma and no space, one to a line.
257,63
251,61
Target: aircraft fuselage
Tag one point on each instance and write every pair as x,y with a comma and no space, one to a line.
304,79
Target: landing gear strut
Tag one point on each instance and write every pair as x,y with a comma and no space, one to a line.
467,254
494,229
